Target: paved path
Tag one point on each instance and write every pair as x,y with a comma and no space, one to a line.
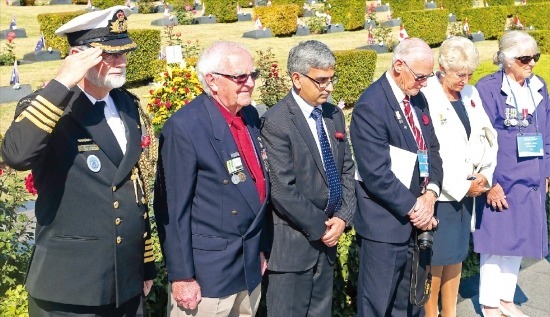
532,293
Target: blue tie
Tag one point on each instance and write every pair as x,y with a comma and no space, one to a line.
334,185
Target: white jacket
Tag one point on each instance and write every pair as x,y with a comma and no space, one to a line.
461,156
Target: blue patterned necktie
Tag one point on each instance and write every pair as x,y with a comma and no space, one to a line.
334,185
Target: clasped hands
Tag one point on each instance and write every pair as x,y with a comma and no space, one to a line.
335,228
422,213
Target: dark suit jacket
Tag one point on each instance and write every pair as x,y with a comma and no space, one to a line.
299,189
383,201
209,227
77,259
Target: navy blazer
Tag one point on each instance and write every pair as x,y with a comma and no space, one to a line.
209,228
383,201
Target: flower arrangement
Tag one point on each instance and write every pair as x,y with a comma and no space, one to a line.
7,56
274,86
173,89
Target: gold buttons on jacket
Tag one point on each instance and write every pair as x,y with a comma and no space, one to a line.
118,240
116,204
225,182
234,212
113,188
118,221
145,235
145,215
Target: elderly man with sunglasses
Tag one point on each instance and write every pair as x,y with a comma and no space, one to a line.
399,180
312,185
81,135
211,191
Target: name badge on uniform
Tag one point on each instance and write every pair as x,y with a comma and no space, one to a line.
423,166
85,145
530,144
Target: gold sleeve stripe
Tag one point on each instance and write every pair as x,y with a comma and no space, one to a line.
148,247
47,121
149,259
148,241
148,254
48,104
52,115
36,122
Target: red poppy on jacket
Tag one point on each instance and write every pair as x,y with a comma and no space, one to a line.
425,119
339,136
145,141
473,104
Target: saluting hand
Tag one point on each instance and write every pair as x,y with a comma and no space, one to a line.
497,198
75,66
187,293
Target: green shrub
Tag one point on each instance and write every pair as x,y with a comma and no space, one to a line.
14,303
49,22
298,2
355,70
346,275
246,3
79,1
224,10
536,15
543,40
429,25
489,20
281,19
148,41
455,6
500,2
399,6
349,13
146,7
537,1
316,25
104,4
275,82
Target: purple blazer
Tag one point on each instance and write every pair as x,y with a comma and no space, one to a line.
521,230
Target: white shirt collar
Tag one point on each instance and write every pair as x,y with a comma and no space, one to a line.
306,108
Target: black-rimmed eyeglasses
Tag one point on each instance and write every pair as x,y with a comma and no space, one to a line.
109,57
240,79
527,59
324,84
418,77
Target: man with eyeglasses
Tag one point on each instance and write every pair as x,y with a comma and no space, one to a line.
399,180
211,192
312,185
81,135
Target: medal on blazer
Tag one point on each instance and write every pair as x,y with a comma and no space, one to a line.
235,168
85,145
398,117
524,122
511,115
94,164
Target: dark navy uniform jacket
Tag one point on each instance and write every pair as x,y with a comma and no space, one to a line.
93,245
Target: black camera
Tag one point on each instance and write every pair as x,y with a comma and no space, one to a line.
425,240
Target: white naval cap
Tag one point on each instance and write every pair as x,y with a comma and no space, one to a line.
106,29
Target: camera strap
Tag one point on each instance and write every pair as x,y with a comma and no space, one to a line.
414,275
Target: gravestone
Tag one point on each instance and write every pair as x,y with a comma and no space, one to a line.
258,3
15,3
452,18
430,5
302,31
383,8
244,17
165,21
335,28
308,13
477,37
375,47
370,23
391,23
258,34
53,2
8,94
160,8
19,33
41,56
204,20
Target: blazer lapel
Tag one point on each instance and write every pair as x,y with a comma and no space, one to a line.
300,122
420,105
398,115
92,119
129,116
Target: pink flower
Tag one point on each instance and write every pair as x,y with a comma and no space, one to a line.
145,141
473,104
29,184
339,136
178,34
425,119
12,35
1,172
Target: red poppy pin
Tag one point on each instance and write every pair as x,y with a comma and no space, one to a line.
425,119
339,136
145,141
473,104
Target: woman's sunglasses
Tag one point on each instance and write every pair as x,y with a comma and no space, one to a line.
527,59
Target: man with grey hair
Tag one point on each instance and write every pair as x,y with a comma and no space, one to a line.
311,171
399,180
211,191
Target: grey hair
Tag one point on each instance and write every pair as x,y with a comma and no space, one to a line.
79,48
310,54
213,60
458,53
412,49
514,44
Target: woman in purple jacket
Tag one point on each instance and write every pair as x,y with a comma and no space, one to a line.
512,222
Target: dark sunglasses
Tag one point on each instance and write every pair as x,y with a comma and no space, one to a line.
527,59
240,79
416,76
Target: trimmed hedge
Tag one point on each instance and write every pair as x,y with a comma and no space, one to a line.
104,4
224,10
537,15
399,6
355,70
500,2
281,19
349,13
49,22
298,2
429,25
143,63
542,37
535,1
455,6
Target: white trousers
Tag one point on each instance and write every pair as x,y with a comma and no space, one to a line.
498,276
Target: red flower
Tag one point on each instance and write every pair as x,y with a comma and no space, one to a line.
145,141
168,105
29,184
473,104
157,101
1,172
274,65
187,75
11,34
339,136
178,34
425,119
187,90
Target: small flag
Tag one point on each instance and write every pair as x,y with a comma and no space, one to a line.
40,44
518,23
258,23
403,33
13,25
14,75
